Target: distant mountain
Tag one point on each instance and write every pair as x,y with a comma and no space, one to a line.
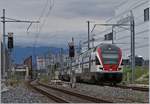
20,53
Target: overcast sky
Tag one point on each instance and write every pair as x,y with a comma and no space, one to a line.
60,19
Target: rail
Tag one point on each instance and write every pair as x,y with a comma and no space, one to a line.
51,96
133,88
89,98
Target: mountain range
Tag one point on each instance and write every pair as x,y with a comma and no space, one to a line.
21,53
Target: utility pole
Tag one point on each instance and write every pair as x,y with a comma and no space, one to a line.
132,24
79,46
88,34
112,34
93,40
4,59
61,60
71,55
89,44
4,71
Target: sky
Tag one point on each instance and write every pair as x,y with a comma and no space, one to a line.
60,20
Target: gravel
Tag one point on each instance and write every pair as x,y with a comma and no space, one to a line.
22,94
67,97
114,94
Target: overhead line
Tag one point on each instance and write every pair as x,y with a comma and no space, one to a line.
41,26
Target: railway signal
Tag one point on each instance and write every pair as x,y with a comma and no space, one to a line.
71,48
4,21
10,40
71,51
109,36
71,55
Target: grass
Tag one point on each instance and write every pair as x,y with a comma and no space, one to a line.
141,75
12,82
44,78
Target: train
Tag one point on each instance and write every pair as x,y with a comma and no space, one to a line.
101,64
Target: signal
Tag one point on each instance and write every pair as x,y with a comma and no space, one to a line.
71,49
108,36
10,40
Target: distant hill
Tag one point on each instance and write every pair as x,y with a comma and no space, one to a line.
20,53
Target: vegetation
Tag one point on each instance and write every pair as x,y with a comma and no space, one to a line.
44,78
141,75
12,82
14,79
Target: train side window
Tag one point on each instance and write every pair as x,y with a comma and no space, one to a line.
97,61
146,14
122,63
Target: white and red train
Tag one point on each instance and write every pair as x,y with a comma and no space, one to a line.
105,65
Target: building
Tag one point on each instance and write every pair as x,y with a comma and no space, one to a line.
21,71
122,35
44,61
41,63
28,63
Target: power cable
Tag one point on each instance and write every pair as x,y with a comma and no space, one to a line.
42,13
137,47
42,25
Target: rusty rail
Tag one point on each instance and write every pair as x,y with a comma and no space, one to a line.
51,96
89,98
133,88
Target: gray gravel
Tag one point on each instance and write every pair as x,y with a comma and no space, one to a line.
66,97
113,94
22,94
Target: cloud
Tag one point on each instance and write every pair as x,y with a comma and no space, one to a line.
58,38
67,19
87,8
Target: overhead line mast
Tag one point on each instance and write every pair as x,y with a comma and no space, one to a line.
4,35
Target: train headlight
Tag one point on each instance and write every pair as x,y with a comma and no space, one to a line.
101,68
119,68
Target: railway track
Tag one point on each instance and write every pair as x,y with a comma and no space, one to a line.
87,98
65,96
133,88
143,89
46,93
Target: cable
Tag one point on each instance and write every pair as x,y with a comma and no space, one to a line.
137,47
137,34
41,26
42,13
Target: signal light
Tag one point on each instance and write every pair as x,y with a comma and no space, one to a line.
108,36
71,48
10,40
71,51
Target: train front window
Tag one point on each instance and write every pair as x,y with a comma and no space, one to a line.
110,58
97,61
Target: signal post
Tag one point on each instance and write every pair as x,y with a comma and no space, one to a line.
10,39
71,55
10,46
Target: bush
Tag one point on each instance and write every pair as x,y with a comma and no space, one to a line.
13,83
139,72
44,78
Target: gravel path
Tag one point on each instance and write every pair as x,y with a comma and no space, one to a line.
21,94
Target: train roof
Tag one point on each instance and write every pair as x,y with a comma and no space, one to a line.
103,46
106,45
